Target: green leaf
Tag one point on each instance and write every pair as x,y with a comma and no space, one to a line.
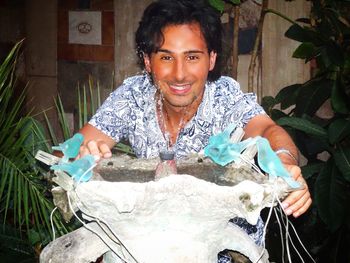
124,148
52,133
63,119
338,99
80,114
26,204
33,237
22,193
310,169
303,34
331,196
85,110
276,114
342,159
287,96
338,130
268,102
13,247
92,97
217,4
312,95
304,125
305,50
303,20
335,53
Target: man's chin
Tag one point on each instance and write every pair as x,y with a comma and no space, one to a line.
179,104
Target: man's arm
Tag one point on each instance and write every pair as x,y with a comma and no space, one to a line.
298,201
96,142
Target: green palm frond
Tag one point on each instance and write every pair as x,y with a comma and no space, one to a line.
13,246
23,194
63,119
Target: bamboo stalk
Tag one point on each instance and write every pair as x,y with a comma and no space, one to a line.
257,42
236,12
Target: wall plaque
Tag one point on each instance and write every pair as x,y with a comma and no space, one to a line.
85,27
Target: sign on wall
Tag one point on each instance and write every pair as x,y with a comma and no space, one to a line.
85,27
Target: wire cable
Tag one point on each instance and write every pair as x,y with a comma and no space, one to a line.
52,225
99,221
93,231
288,237
265,227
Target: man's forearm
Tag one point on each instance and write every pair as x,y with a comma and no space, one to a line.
280,141
282,144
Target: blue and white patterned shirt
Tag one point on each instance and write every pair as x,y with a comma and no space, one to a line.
129,113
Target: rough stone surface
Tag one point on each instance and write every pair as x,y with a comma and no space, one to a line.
75,247
179,218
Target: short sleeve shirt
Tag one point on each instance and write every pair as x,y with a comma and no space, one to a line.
129,113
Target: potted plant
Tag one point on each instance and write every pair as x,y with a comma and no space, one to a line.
317,115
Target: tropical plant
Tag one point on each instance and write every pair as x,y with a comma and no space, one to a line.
24,201
323,139
89,100
25,198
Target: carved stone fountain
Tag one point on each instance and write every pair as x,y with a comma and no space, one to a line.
179,218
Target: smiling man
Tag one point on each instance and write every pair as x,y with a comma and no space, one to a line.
181,99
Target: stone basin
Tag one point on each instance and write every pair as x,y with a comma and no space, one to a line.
179,218
127,169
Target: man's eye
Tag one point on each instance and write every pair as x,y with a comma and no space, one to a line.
166,58
192,57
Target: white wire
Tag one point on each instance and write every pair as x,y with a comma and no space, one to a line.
281,235
288,237
296,234
291,241
256,168
97,220
285,222
90,229
52,225
265,228
301,243
110,229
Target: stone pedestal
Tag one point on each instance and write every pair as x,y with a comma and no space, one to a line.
179,218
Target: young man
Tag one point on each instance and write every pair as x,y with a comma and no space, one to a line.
181,100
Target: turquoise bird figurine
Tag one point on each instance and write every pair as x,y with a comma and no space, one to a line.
70,148
80,169
270,163
221,150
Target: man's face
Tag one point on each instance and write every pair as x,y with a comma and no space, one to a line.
180,67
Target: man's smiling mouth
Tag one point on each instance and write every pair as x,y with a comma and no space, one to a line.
180,88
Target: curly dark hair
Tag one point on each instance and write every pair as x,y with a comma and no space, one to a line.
162,13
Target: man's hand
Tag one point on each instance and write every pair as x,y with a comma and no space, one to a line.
95,143
298,201
99,149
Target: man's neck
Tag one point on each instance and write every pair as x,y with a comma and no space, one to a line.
173,119
177,114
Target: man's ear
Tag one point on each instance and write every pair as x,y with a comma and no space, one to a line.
147,62
212,60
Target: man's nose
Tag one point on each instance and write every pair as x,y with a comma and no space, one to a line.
179,70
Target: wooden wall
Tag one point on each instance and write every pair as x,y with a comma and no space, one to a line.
127,16
278,67
52,67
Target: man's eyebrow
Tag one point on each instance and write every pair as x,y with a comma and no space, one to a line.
186,52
